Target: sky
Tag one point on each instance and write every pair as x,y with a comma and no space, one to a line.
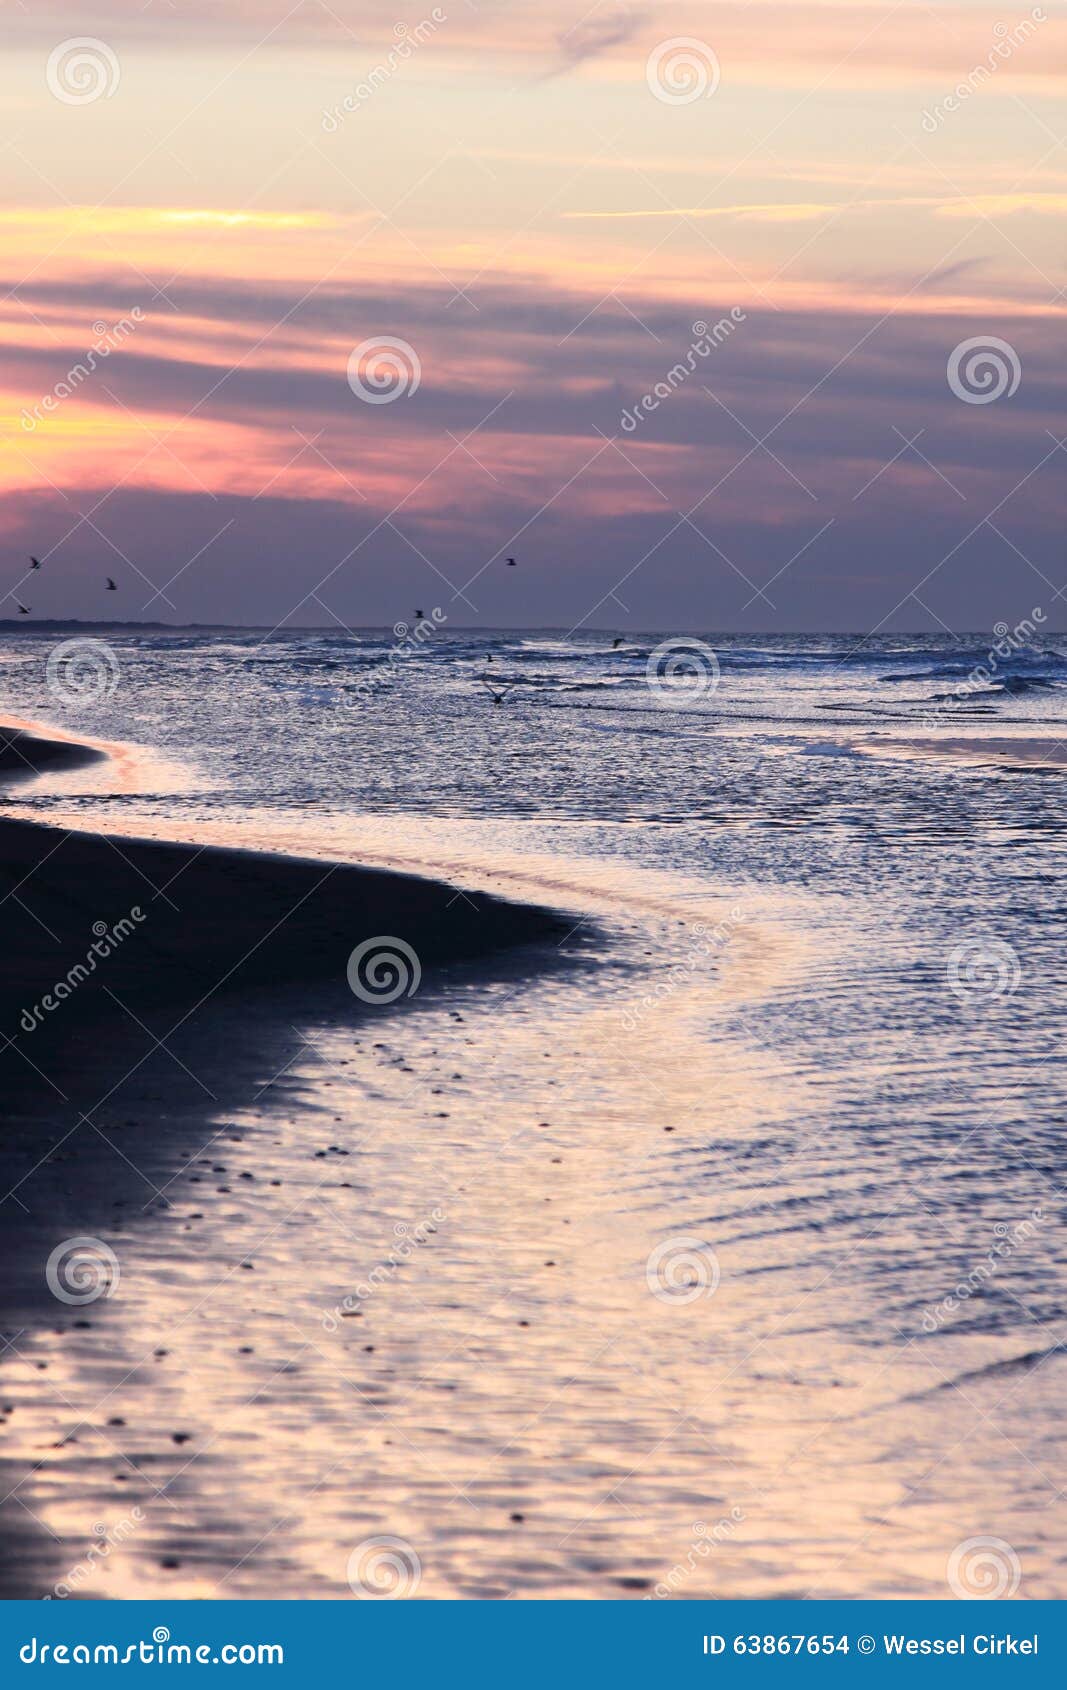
716,317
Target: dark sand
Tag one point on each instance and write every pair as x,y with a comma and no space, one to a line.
191,1014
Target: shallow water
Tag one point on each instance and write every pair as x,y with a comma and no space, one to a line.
727,1254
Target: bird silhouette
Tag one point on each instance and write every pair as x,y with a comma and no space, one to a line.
511,563
35,563
111,587
24,609
497,697
418,616
615,644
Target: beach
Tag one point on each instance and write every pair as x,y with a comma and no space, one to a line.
143,987
533,737
705,1186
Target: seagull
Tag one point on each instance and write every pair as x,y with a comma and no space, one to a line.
511,563
418,616
24,609
111,587
35,563
497,697
616,643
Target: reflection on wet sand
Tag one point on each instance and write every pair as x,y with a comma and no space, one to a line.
711,1251
582,1315
1021,751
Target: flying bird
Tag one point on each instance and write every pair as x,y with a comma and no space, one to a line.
24,609
615,644
497,697
35,563
111,587
418,616
511,563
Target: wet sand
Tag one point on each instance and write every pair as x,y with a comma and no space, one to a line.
612,1269
1030,751
116,1062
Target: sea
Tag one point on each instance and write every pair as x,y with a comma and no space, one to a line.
718,1253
